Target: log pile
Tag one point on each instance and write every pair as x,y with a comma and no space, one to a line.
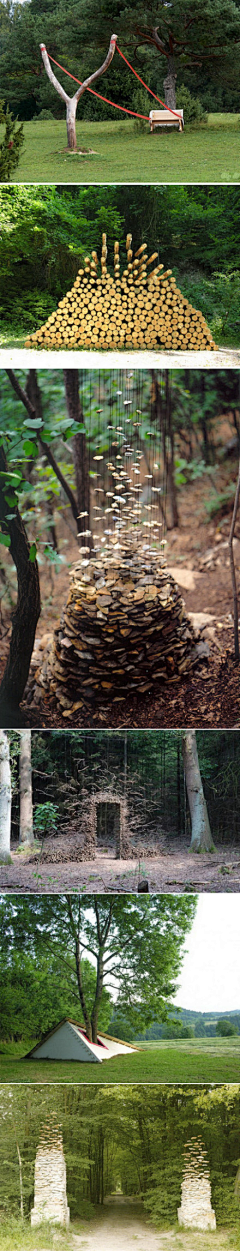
142,309
124,627
196,1211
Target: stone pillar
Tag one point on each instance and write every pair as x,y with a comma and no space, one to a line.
196,1211
50,1196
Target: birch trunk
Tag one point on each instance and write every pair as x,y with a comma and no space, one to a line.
72,102
26,806
201,839
5,799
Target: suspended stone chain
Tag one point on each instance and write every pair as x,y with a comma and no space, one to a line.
142,309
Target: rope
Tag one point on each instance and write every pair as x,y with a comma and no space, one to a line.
152,93
111,102
97,93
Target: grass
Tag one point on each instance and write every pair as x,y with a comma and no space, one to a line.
17,1235
190,1060
204,154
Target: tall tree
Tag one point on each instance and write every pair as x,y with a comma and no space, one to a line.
183,35
136,945
26,803
5,799
27,611
201,838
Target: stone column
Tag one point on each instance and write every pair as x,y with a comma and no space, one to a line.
196,1211
50,1195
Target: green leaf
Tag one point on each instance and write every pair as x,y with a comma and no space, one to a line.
32,553
33,423
12,478
5,540
31,449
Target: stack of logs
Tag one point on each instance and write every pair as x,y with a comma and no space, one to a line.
124,626
143,309
196,1211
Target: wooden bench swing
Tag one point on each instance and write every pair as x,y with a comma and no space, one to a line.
164,117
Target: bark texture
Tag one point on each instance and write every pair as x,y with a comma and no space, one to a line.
72,102
5,799
201,837
26,614
26,804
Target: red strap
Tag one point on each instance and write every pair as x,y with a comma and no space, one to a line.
165,106
96,93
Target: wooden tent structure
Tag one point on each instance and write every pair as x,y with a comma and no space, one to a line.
69,1041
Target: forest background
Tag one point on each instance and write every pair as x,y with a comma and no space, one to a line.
47,231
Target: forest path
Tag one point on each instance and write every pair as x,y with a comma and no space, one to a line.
121,1225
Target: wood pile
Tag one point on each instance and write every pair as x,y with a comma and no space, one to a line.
123,628
142,309
50,1195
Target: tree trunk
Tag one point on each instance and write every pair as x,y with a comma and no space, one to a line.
201,839
79,446
170,85
5,799
26,614
26,806
71,103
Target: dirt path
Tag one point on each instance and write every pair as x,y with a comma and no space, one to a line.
173,871
121,1226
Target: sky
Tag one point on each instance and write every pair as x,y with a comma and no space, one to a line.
210,976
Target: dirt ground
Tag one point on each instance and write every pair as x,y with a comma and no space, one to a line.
197,554
124,1226
173,871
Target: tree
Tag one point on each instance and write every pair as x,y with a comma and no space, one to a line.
11,144
136,946
26,805
226,1028
183,35
26,614
5,799
72,102
201,838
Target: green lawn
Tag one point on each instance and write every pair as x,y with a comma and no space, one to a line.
210,153
195,1060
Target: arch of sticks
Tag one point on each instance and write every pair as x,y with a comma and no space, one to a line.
142,309
88,822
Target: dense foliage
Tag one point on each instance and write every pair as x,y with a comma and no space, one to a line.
205,48
126,1138
135,947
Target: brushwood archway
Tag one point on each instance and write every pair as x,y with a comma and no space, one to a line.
113,808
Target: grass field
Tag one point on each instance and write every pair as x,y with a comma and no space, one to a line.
17,1235
209,153
194,1060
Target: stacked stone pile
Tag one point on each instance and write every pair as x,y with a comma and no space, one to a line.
196,1211
50,1196
142,309
123,628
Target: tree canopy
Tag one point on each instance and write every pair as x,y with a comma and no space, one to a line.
136,947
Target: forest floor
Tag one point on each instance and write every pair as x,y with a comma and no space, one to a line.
197,555
189,1060
173,870
118,152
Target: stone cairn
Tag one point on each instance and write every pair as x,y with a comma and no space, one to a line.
196,1211
50,1196
123,628
142,309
